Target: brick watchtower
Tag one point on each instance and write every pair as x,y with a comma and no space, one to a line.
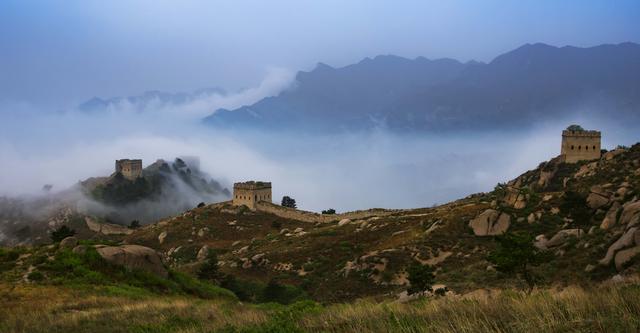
250,193
579,144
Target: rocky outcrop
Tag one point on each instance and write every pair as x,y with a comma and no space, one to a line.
490,222
133,257
106,228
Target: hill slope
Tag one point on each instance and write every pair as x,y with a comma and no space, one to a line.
578,212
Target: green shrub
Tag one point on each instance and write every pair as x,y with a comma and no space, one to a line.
35,276
421,277
62,233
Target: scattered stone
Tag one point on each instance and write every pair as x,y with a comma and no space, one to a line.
202,253
589,268
541,242
531,218
343,222
162,236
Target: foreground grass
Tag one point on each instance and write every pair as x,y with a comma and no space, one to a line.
51,309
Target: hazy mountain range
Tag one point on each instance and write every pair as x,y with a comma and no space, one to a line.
531,83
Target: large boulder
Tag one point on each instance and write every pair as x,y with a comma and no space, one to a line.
598,197
626,240
515,198
610,218
134,257
625,256
490,222
69,243
563,236
630,213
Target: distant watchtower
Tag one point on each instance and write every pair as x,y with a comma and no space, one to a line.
579,144
250,193
130,169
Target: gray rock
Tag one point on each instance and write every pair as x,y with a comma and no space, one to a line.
134,257
563,236
626,240
69,243
630,213
490,222
625,256
610,218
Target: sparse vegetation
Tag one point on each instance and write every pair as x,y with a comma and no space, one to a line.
329,211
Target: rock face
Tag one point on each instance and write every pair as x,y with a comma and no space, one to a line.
490,222
134,257
515,198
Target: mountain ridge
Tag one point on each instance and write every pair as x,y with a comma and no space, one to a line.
532,82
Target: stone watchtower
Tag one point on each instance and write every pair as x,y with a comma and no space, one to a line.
250,193
130,169
579,144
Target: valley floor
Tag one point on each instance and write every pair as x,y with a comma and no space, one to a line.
63,309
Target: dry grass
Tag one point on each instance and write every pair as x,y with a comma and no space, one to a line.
49,309
573,310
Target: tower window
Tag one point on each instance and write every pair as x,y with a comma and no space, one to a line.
572,147
594,147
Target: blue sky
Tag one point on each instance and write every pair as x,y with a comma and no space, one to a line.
57,53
